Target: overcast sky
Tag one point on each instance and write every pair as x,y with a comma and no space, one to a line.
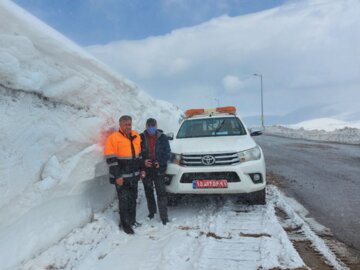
197,53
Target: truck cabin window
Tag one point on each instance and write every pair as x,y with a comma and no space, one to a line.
209,127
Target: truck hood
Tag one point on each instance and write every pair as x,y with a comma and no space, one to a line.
212,145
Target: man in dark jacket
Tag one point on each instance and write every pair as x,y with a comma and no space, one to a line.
155,150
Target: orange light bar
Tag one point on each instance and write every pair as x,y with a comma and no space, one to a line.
228,109
192,112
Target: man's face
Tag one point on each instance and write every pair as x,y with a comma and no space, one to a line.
151,129
125,126
149,126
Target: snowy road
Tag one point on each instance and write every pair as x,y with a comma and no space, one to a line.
324,177
204,233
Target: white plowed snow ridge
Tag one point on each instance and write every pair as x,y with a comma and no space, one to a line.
349,135
57,104
204,233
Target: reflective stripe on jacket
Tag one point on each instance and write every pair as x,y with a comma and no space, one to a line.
123,155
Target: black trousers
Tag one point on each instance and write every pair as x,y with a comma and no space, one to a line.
127,195
158,180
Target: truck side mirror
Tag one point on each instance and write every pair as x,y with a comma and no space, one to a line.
170,136
254,132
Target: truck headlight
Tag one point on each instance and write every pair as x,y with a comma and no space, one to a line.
251,154
175,158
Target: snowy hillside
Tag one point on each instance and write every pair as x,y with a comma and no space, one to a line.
57,103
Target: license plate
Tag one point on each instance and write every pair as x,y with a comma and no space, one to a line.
222,183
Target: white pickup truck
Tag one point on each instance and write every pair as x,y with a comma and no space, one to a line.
213,153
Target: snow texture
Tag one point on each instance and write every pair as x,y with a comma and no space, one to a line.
57,104
204,233
211,233
324,129
327,124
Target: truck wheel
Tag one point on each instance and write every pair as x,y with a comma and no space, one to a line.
257,197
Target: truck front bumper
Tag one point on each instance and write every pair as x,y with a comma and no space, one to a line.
240,178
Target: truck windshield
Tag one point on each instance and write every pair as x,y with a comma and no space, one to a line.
209,127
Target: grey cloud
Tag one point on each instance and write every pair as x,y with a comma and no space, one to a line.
306,52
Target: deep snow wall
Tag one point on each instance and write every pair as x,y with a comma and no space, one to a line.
56,102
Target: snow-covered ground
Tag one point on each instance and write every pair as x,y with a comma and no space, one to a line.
323,129
211,233
57,104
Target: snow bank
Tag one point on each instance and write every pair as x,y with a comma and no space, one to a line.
57,104
327,124
320,130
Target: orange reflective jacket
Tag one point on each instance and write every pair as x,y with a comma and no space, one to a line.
123,155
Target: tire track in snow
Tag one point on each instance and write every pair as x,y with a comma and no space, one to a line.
224,253
225,235
176,246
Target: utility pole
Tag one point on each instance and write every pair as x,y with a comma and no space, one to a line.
262,99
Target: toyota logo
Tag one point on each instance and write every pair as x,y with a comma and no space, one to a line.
208,160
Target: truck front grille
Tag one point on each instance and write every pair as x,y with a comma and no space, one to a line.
219,159
190,177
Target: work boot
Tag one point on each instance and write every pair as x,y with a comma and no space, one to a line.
136,224
127,229
151,216
165,221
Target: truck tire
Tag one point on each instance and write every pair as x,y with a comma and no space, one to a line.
257,197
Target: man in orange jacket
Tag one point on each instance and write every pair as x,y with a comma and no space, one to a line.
122,153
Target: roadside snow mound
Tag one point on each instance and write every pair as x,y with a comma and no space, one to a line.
345,135
327,124
57,104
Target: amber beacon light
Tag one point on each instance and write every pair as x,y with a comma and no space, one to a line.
228,109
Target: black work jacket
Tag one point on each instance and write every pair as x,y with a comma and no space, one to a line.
162,149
